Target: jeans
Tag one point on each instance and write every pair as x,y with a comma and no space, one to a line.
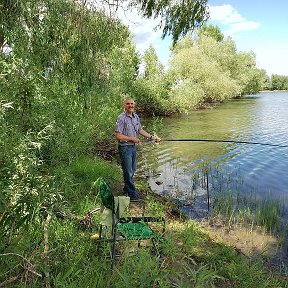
128,162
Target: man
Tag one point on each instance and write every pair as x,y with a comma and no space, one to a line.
128,126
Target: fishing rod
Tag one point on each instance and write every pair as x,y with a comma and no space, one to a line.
224,141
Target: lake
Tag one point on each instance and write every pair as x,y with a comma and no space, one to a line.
176,169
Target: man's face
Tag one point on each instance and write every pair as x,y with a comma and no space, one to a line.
129,106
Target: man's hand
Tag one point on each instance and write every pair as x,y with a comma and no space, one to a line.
156,138
135,140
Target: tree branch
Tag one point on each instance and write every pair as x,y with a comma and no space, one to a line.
8,281
26,267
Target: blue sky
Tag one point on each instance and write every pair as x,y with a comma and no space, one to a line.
256,25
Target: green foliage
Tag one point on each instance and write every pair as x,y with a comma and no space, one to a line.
200,277
124,63
246,210
279,82
197,80
61,69
202,70
177,17
208,70
26,190
268,215
211,31
87,170
152,85
153,68
64,71
239,67
60,76
191,258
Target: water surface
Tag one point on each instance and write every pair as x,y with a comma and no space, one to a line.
172,167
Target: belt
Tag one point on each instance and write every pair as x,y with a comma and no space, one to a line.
122,143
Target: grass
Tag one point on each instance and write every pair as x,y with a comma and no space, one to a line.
192,257
234,207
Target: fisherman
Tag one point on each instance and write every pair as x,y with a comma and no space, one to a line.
128,127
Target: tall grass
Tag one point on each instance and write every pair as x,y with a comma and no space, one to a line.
235,207
190,259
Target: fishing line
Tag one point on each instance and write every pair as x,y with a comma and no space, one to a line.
224,141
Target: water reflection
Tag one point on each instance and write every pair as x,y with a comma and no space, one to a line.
171,166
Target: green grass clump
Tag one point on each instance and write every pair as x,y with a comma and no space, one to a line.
248,211
190,257
87,170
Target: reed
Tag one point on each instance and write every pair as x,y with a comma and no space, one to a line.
224,197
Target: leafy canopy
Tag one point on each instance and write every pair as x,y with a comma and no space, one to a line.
177,17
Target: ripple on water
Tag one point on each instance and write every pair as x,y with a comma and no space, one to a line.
257,168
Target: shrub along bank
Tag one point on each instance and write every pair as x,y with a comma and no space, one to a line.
65,70
57,249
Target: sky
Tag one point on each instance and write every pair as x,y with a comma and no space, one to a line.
254,25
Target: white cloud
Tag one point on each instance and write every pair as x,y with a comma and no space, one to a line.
241,26
142,29
225,14
269,56
230,18
230,22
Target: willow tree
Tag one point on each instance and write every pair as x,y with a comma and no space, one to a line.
176,18
211,31
241,66
279,82
198,76
206,70
64,66
58,62
152,84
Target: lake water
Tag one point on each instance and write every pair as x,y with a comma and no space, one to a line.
176,168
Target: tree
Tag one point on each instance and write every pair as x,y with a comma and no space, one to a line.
152,66
240,66
279,82
64,66
211,31
57,84
176,18
152,85
198,74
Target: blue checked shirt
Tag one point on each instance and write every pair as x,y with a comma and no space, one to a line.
128,126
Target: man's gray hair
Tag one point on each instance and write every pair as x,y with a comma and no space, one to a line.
128,99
